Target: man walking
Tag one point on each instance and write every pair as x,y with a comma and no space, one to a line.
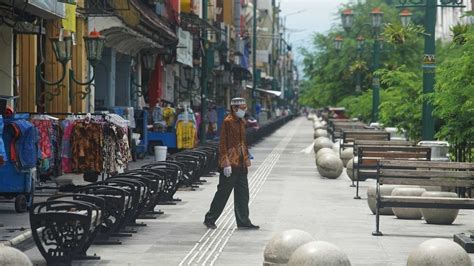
233,163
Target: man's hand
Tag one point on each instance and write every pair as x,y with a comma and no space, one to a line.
228,171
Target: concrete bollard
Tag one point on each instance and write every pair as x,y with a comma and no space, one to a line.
346,155
279,249
320,133
12,256
439,216
322,151
385,190
438,252
318,253
407,213
349,169
329,165
322,142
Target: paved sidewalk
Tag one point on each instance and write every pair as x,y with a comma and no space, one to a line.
286,193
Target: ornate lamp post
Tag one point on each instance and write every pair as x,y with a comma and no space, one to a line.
360,46
429,59
376,15
148,60
62,48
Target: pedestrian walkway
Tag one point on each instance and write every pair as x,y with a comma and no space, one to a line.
286,193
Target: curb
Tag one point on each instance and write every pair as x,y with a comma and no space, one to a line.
21,242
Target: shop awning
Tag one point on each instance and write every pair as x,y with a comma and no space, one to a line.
272,92
152,21
120,37
193,23
47,9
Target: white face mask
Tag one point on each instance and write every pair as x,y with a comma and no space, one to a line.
240,113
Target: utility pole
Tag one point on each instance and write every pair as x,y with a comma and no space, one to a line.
254,58
204,78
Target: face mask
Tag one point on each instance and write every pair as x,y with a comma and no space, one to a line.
240,113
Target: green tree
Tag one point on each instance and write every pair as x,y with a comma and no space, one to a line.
454,96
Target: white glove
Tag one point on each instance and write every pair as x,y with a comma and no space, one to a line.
228,171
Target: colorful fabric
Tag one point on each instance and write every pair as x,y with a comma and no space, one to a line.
169,116
24,147
44,128
116,150
86,146
66,151
185,135
233,149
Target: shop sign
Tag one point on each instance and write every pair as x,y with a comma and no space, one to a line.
184,52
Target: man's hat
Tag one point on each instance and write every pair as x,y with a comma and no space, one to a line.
237,101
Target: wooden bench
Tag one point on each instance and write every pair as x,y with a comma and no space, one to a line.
428,173
350,136
335,127
368,156
381,143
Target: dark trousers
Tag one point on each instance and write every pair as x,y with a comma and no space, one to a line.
239,182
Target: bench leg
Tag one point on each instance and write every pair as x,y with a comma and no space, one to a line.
377,221
352,185
357,190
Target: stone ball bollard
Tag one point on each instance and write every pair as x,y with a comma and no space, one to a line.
319,253
439,216
322,151
322,142
437,252
346,155
320,133
12,256
349,169
279,249
318,125
329,165
385,190
408,213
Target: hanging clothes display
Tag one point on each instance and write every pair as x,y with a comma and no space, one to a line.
169,116
117,153
66,151
86,146
56,142
185,135
23,144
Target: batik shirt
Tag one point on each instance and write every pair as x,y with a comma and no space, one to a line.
233,149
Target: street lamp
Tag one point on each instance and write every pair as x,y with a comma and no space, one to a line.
347,17
376,16
62,47
405,17
429,59
148,60
338,43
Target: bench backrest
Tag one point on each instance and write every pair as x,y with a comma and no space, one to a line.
429,173
351,136
406,143
368,156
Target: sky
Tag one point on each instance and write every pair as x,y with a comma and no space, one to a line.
305,17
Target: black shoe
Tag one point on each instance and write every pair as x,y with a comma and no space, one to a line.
248,227
210,225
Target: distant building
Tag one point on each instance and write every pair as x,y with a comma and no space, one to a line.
448,17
